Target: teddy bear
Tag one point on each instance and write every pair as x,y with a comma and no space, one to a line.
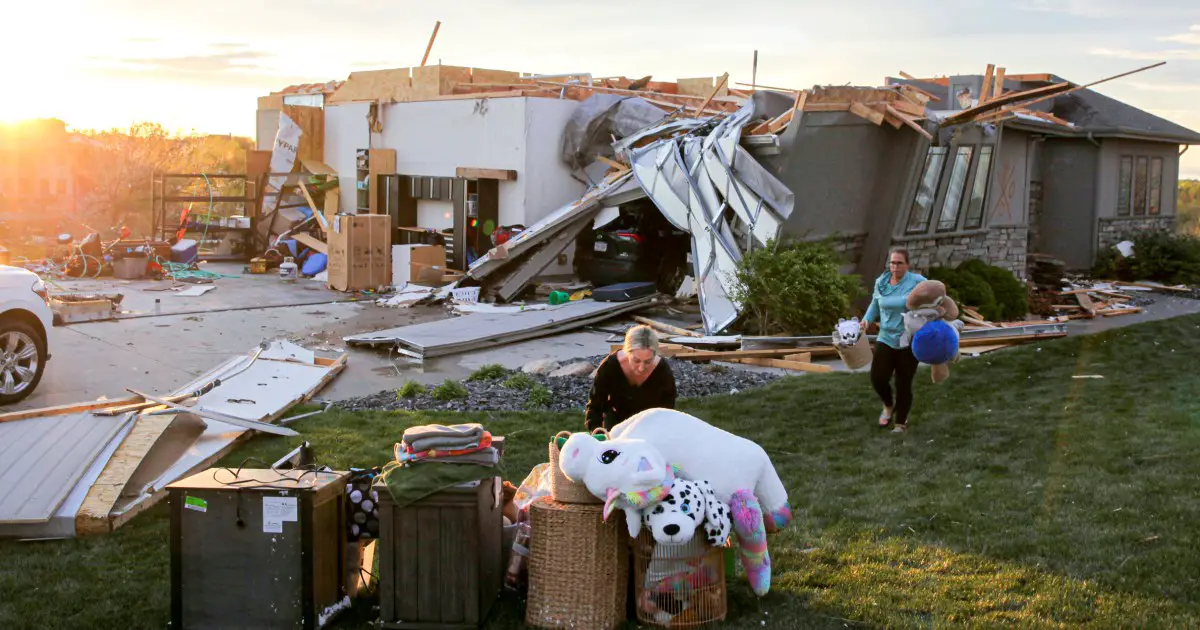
932,327
636,468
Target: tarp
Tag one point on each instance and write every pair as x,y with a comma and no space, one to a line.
591,128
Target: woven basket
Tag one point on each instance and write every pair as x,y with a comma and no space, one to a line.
578,567
679,586
562,489
858,355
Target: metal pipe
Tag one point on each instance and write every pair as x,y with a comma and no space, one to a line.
561,76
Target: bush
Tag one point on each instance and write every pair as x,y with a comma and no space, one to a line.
411,389
520,381
1158,255
489,372
794,289
968,291
1012,296
450,390
539,397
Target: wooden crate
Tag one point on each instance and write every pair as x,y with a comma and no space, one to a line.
440,562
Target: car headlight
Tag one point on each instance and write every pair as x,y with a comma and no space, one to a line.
39,288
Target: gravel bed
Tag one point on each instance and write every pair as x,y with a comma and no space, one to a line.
692,380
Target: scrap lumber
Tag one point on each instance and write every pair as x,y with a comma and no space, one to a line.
612,163
907,107
720,84
507,175
972,113
909,122
1111,312
998,88
312,242
429,47
803,357
67,409
102,497
986,90
863,111
907,76
795,366
1052,93
1085,301
667,328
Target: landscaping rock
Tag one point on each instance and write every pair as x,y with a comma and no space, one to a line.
567,393
540,367
582,368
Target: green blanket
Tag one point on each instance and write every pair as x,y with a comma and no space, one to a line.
409,484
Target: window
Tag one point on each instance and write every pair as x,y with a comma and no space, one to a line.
948,219
1139,186
1155,185
983,172
922,208
1124,187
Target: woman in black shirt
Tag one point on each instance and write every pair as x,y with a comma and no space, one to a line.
630,380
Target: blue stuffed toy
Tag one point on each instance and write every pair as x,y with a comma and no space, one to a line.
935,343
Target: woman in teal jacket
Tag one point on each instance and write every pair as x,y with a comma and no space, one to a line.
888,304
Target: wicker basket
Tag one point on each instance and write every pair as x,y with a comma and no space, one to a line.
679,586
858,355
562,489
578,567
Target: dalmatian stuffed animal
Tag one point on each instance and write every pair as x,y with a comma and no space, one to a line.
636,468
689,506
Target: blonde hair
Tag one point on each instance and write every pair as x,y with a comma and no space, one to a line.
640,338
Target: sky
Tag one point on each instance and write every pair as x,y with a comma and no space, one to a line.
201,66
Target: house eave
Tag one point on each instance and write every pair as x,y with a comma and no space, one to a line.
1105,132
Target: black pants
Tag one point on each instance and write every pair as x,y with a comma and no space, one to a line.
903,364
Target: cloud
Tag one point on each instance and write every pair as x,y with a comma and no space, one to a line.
1192,37
1148,55
381,65
1078,8
212,63
1170,88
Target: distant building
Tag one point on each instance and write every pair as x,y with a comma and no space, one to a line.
39,174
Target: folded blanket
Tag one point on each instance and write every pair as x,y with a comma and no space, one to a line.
483,457
405,453
425,437
410,483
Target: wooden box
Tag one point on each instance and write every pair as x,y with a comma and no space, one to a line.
440,559
259,549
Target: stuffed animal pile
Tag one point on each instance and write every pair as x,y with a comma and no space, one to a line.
656,451
932,327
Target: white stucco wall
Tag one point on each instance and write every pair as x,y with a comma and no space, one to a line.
345,133
548,181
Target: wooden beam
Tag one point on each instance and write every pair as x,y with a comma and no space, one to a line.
907,76
311,241
507,175
910,122
908,107
713,94
786,365
862,111
1053,94
995,103
986,90
1085,301
68,409
613,163
674,330
803,357
429,47
998,88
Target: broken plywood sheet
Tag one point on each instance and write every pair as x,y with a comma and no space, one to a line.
42,459
373,85
485,330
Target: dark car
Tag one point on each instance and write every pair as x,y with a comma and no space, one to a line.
639,246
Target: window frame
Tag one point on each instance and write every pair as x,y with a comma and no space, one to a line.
1154,188
959,151
1125,186
1141,168
982,176
934,155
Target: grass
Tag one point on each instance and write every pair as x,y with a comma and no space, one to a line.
489,372
539,397
450,390
520,381
1019,496
410,389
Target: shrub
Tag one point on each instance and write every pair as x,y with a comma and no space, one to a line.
450,390
520,381
539,397
410,389
1158,255
967,290
795,289
489,372
1012,296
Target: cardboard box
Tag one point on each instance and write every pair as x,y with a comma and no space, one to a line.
419,264
360,252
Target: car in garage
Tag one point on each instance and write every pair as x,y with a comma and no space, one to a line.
639,245
25,319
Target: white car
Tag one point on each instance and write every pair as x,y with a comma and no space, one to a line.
25,318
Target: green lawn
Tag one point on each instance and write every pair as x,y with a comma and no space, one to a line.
1020,495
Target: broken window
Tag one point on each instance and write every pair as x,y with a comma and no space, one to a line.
954,191
1139,186
983,172
922,208
1155,185
1124,186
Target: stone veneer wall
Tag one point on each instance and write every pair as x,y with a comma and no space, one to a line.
1035,216
1112,230
850,247
1004,247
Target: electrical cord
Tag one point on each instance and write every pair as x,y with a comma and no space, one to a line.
268,484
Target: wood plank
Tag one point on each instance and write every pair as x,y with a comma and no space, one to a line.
796,366
720,84
907,107
102,497
905,75
429,46
68,408
863,111
311,241
974,321
986,90
674,330
998,87
507,175
1121,311
977,350
317,167
1085,301
612,163
910,122
996,103
803,357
